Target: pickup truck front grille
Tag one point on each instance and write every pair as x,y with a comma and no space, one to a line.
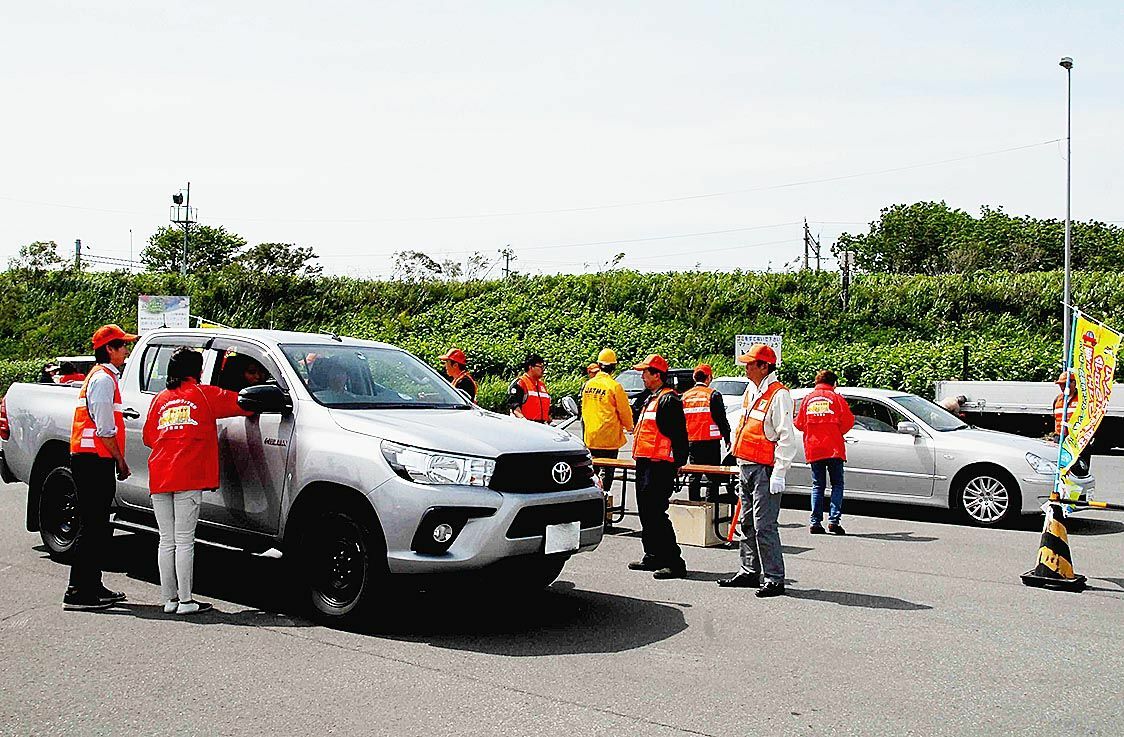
532,521
536,473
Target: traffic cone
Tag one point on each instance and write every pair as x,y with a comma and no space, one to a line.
1055,566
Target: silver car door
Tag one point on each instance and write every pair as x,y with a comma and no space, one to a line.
253,451
880,460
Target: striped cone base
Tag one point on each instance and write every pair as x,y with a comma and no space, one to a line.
1055,566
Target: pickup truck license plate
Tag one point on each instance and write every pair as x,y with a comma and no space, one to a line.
562,538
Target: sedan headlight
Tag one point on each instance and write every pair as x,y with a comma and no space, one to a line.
431,467
1042,465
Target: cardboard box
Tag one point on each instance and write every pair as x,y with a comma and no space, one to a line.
694,523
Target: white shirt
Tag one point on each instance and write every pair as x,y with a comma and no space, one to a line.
99,401
778,423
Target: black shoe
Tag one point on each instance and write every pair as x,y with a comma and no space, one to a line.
666,572
835,528
74,601
114,596
742,580
644,564
771,588
816,529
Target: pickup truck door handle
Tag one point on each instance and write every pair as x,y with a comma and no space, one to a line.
850,440
129,413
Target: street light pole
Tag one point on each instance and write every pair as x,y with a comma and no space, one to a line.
187,224
1067,316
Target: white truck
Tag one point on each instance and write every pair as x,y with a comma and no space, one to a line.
1026,408
361,462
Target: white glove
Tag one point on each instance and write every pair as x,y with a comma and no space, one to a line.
776,484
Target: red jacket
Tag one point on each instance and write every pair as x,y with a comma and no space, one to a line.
824,418
184,438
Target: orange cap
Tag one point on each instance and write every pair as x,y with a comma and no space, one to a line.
593,368
1065,376
655,361
455,354
705,368
758,352
109,333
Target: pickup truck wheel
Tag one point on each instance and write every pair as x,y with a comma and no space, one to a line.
986,498
58,512
341,565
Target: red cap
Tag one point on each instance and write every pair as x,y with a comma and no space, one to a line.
705,368
758,352
455,354
108,334
654,361
1064,377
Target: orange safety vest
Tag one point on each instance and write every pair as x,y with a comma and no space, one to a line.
700,421
83,431
1058,411
751,444
648,441
536,406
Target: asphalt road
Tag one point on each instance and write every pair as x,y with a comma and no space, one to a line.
911,625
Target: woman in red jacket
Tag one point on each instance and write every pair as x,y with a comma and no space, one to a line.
824,418
184,463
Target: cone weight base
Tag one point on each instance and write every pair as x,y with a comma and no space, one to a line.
1075,584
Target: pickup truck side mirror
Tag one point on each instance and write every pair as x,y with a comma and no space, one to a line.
909,428
265,398
571,406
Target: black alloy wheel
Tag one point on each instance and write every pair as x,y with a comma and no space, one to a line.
338,565
58,513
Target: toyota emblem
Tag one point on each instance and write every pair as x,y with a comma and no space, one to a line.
561,473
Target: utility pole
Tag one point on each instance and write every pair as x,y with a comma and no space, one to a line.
77,254
845,265
507,254
811,245
183,216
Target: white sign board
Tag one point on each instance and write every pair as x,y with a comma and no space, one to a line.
743,342
155,312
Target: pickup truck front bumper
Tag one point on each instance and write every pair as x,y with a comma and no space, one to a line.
489,526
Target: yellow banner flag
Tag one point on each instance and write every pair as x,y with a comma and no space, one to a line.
1093,362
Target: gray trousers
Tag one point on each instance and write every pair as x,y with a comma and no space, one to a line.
761,539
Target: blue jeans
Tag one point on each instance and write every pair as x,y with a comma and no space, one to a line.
820,471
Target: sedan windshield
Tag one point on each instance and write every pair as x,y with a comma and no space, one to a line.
362,377
729,387
932,415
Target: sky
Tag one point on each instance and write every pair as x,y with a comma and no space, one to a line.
684,135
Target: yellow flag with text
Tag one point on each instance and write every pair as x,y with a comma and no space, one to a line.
1093,361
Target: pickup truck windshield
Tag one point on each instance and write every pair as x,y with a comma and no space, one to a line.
361,377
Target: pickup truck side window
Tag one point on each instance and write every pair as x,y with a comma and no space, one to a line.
239,366
154,367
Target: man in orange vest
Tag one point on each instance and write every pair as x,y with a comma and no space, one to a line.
707,429
97,462
527,397
660,447
456,366
764,444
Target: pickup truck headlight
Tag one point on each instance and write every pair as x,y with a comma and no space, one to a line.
431,467
1042,465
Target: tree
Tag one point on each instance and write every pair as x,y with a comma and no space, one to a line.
415,266
273,259
208,249
38,256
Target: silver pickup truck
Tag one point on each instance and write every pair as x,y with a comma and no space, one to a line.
361,462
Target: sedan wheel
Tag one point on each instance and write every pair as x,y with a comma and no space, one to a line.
986,500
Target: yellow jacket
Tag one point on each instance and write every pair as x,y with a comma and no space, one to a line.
606,413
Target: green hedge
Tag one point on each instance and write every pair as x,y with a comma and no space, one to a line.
12,371
898,331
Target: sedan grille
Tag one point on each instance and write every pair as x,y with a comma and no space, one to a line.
536,473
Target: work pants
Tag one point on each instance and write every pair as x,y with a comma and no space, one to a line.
655,482
761,538
95,481
704,453
606,473
177,514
